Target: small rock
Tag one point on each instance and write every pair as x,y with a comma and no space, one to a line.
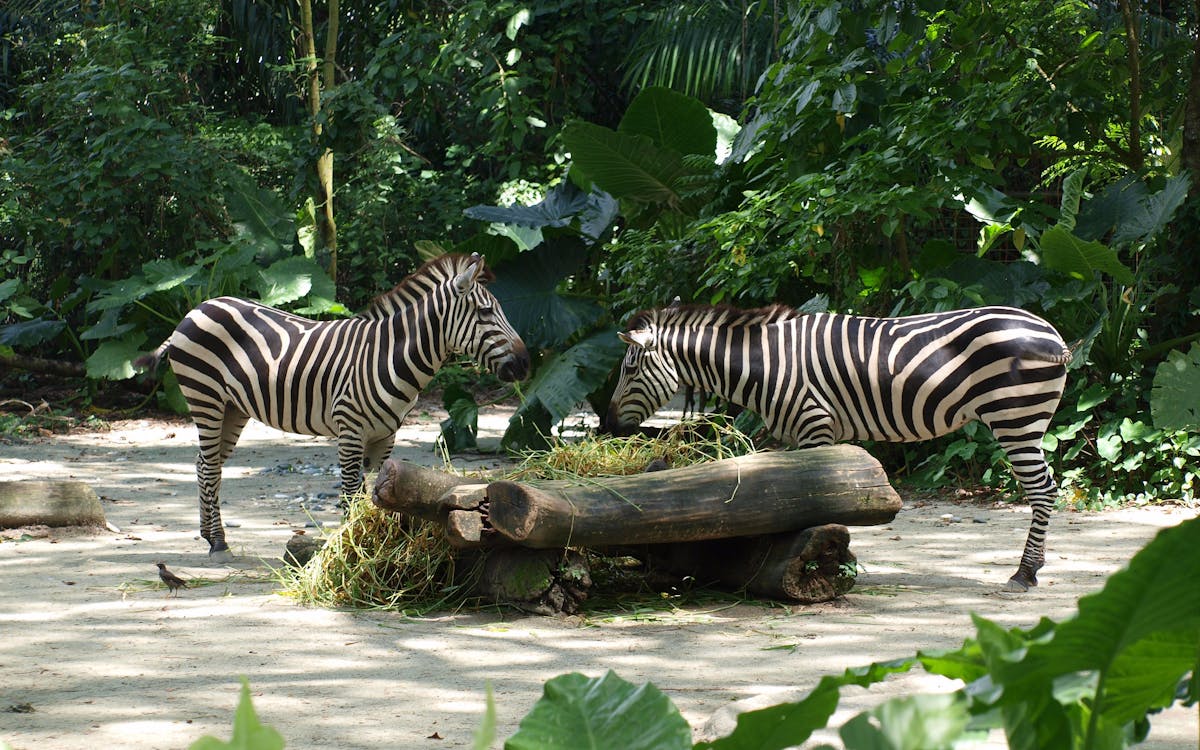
978,519
301,548
232,524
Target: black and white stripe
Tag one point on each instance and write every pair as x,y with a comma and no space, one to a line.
354,379
819,379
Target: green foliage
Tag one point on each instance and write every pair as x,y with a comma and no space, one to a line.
1092,681
563,381
577,712
1175,400
248,732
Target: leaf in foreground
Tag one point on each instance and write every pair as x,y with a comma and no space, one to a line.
580,713
248,732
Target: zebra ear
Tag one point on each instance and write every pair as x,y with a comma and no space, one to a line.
643,338
464,280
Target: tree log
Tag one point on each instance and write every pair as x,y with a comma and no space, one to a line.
52,503
808,566
418,491
542,581
762,493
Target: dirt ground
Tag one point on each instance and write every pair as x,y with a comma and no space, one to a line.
92,653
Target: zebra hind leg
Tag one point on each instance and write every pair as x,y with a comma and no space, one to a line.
1031,470
217,440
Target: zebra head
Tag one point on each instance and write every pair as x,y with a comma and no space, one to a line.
648,380
476,325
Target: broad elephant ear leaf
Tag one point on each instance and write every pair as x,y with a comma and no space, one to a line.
629,167
562,383
580,713
1175,396
1063,251
527,289
671,119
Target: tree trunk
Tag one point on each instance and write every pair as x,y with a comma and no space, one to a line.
546,582
326,225
1191,113
44,366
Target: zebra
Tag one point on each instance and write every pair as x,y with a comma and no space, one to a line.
353,379
817,379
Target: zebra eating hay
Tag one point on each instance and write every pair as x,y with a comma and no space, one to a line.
353,379
822,378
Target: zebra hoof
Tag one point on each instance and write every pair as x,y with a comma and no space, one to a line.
1020,583
220,555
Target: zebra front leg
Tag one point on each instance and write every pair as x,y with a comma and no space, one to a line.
351,453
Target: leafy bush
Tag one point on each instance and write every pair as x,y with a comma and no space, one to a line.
1091,681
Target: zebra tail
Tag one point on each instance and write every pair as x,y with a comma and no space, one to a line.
150,361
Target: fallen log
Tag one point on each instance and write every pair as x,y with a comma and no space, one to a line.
51,503
808,566
419,491
762,493
542,581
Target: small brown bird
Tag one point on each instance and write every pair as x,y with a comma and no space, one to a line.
174,582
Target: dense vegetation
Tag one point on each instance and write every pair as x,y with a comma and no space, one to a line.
872,157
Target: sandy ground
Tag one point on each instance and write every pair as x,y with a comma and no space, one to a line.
92,654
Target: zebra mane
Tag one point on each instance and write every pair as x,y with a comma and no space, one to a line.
726,315
431,273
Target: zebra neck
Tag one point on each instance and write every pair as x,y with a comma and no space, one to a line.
413,345
723,360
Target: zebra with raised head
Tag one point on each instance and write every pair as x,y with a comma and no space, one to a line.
353,379
817,379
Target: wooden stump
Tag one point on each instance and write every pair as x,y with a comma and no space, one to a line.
51,503
807,566
541,581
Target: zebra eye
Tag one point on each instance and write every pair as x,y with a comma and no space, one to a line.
486,312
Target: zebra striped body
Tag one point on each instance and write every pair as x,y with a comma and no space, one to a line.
820,379
354,380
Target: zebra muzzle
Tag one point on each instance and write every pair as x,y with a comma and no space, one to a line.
515,366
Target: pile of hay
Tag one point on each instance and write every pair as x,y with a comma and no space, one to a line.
380,560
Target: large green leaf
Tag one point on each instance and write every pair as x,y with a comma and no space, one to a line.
1139,634
671,119
563,382
1175,397
591,213
576,712
114,359
1153,214
915,722
1065,252
790,724
292,278
31,332
629,167
527,289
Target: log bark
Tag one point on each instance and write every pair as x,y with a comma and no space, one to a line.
418,491
546,582
808,566
43,366
762,493
51,503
